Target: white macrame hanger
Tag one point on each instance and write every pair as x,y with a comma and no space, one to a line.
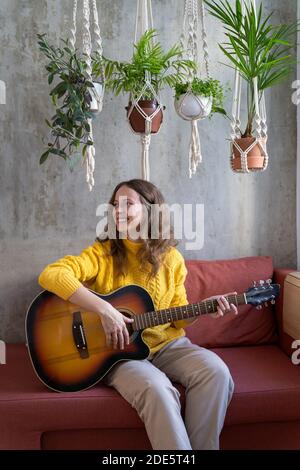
143,19
261,128
144,22
88,6
194,17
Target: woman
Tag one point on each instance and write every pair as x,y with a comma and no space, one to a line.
156,265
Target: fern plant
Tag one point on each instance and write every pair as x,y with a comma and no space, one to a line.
255,47
149,59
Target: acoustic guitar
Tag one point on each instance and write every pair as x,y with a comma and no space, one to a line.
67,344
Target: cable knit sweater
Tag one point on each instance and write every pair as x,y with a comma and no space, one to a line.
95,264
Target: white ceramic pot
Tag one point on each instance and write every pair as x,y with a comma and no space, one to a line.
189,106
97,97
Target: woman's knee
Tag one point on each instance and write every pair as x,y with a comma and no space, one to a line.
212,369
221,375
159,392
162,388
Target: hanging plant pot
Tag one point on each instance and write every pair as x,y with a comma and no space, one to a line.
190,106
96,94
255,157
138,121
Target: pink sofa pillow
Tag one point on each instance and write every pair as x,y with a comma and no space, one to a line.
250,326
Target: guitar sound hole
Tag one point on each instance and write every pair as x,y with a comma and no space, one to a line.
129,314
130,330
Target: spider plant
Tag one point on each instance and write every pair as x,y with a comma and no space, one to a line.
255,47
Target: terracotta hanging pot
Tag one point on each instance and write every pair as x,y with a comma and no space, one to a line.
255,157
189,106
137,120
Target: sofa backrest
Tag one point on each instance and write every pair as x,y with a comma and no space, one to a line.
250,326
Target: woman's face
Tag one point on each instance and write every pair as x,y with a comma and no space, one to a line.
128,209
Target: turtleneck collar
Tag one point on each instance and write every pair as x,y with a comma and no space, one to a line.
132,245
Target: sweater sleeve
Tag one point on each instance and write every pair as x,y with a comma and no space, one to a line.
65,276
180,297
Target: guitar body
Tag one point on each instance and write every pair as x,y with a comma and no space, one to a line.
67,345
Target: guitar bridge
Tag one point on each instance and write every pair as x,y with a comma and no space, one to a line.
79,336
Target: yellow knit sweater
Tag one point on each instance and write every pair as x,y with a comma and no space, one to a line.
94,264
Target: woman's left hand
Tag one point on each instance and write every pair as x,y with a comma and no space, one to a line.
224,306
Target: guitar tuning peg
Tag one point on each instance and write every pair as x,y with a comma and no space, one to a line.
268,281
273,302
254,283
266,304
259,307
261,282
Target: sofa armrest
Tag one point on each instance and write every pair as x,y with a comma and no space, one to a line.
285,338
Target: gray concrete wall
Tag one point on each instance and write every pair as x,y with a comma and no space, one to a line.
47,211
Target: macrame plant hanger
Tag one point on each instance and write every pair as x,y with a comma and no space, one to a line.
89,7
189,106
242,154
149,117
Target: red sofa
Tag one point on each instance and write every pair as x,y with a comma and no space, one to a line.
264,412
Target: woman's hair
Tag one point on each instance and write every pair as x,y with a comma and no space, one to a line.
152,249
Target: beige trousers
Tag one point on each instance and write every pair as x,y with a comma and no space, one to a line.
147,386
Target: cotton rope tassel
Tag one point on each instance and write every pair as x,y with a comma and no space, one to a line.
261,128
146,139
89,158
194,15
195,156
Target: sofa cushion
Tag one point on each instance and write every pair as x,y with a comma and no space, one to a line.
267,385
251,326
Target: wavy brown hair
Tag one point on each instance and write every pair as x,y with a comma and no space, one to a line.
152,250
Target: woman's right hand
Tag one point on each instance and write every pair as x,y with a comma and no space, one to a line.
114,325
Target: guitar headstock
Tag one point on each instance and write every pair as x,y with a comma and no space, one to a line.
262,292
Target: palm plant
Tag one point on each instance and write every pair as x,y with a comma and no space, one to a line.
255,47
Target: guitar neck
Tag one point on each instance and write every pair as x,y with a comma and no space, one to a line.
159,317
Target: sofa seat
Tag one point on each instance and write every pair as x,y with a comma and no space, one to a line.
267,390
267,385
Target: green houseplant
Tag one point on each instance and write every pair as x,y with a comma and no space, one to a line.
71,96
258,50
149,64
199,98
